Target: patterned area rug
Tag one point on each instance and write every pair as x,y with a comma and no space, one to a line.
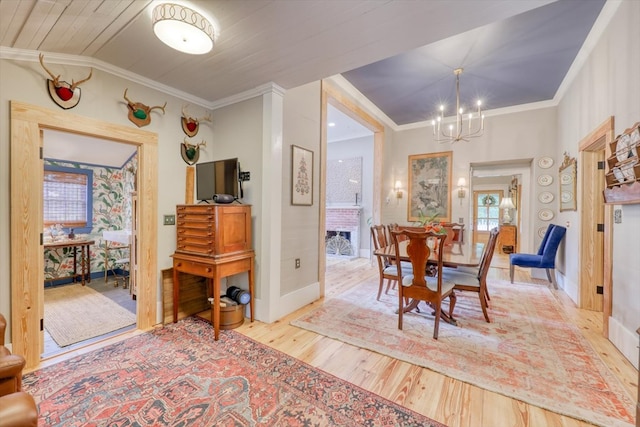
528,352
178,376
74,313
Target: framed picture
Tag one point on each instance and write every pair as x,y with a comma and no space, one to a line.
430,186
301,176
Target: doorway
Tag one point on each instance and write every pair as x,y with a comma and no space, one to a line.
89,189
27,264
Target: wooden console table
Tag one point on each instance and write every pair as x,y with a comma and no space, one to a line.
213,241
85,256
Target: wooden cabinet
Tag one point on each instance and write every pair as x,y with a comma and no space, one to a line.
213,230
507,239
213,241
623,168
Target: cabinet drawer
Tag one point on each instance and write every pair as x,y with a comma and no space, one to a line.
194,268
195,217
195,241
195,209
200,232
195,249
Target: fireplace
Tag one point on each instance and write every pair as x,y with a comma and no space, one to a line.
342,236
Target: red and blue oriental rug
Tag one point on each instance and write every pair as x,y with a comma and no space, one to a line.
178,376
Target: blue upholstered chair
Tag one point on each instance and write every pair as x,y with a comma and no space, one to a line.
546,256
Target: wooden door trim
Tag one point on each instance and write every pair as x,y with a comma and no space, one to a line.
27,263
591,147
337,98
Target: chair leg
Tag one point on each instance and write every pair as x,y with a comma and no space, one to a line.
401,309
389,282
380,286
483,304
511,267
452,304
437,321
551,275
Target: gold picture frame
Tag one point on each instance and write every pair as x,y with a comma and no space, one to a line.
430,186
301,176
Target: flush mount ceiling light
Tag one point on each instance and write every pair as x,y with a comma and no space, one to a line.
182,28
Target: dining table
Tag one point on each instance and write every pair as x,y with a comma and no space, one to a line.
454,255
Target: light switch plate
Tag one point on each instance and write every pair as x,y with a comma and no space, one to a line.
169,220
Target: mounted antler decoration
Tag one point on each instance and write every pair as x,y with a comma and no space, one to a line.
139,113
191,153
191,125
62,93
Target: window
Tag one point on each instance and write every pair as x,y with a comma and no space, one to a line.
487,210
67,197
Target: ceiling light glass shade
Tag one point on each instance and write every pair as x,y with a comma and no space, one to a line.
182,28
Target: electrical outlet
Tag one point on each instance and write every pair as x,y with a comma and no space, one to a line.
297,262
169,220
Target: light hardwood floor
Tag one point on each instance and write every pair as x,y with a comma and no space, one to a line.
444,399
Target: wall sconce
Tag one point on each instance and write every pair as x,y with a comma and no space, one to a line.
461,192
398,190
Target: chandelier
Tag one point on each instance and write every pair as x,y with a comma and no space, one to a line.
460,131
183,29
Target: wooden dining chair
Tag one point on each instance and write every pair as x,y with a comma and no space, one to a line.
468,280
387,270
417,285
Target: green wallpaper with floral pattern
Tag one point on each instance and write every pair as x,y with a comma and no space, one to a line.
112,192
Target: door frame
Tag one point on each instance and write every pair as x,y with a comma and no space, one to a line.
593,148
27,261
337,98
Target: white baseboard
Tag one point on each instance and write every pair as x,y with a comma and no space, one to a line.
287,303
625,340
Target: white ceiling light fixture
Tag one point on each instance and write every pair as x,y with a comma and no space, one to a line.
183,28
460,131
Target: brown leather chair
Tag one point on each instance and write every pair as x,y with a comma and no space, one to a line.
17,408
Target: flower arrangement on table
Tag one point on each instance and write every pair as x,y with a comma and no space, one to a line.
429,223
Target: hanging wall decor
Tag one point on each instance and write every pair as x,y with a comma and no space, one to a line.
191,125
190,152
65,95
139,113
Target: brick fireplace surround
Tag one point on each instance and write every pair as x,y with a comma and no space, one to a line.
345,219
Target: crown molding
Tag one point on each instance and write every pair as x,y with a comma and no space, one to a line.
248,94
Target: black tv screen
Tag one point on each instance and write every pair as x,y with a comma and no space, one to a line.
217,177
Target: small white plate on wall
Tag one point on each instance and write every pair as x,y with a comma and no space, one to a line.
545,162
545,180
545,214
545,197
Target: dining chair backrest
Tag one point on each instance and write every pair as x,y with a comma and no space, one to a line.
454,232
379,237
487,255
419,252
545,238
551,246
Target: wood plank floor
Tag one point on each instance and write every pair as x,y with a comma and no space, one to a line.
444,399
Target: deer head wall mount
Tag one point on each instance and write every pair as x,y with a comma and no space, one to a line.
190,152
140,114
65,95
191,125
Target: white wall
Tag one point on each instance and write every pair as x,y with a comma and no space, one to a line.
608,84
102,98
359,147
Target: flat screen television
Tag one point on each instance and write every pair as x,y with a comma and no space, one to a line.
217,178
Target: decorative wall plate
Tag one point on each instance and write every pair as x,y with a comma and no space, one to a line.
566,178
542,231
545,180
566,196
545,214
635,141
545,197
545,162
623,148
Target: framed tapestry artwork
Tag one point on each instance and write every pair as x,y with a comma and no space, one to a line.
301,176
430,186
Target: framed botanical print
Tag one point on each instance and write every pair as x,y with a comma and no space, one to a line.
301,176
430,186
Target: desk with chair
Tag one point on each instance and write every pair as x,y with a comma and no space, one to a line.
85,257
